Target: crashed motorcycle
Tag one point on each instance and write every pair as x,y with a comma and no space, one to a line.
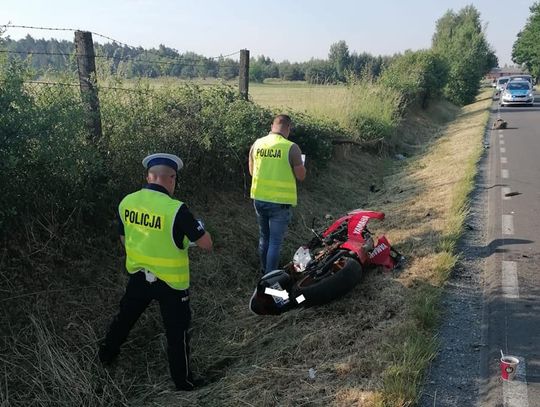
326,268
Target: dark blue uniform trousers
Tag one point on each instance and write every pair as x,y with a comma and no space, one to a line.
176,314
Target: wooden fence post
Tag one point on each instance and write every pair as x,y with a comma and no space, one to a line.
86,66
243,75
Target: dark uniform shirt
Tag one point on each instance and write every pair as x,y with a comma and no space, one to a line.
184,222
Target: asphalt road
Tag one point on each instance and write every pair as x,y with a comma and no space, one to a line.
493,299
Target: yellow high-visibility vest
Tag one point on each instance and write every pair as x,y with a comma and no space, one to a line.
273,178
148,218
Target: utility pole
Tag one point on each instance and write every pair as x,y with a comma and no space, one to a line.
86,66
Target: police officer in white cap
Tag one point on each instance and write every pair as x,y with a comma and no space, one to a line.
156,230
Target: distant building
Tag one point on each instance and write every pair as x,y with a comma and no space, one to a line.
506,71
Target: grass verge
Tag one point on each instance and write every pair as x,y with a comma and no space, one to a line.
431,215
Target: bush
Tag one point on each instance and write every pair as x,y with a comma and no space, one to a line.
52,172
418,76
47,166
373,111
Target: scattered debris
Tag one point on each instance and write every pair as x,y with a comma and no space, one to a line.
373,188
311,373
513,193
500,124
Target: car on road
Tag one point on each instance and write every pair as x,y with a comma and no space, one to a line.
523,77
501,83
517,93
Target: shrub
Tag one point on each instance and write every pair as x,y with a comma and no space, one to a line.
51,171
47,166
372,111
419,75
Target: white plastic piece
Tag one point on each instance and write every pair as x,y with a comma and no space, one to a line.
311,373
300,299
277,293
301,258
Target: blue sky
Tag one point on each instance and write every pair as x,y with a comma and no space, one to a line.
293,30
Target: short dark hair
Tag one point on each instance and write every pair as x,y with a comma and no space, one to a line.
282,119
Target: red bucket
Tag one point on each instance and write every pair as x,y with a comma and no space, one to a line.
509,367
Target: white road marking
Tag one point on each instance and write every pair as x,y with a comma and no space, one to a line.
507,225
277,293
504,191
510,285
505,173
504,160
515,391
501,142
501,136
503,149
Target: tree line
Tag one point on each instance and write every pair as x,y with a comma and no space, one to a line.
52,55
526,49
454,65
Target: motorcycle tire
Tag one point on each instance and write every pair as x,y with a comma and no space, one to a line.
344,274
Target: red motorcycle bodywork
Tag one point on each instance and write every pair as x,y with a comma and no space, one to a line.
357,222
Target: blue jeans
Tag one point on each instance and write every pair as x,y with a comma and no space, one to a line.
273,219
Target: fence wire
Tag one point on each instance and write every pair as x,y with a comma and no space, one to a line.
6,26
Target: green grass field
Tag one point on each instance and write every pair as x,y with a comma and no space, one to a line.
316,100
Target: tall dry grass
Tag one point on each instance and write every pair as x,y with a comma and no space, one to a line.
365,109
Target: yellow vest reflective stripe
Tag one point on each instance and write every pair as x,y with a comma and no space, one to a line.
148,218
273,178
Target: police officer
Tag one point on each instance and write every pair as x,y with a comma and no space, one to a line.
275,164
156,230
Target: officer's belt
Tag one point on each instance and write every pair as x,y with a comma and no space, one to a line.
151,278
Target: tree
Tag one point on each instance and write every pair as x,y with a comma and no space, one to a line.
526,49
339,59
418,75
460,40
319,71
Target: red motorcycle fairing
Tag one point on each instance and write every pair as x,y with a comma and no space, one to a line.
354,217
381,254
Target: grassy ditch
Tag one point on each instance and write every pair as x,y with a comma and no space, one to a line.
369,348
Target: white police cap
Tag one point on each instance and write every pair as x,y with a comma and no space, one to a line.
169,160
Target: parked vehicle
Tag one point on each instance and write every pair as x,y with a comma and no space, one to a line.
501,83
329,266
519,78
517,93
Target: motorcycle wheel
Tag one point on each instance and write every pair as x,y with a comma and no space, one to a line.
342,276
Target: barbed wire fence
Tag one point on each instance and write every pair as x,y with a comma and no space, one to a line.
85,56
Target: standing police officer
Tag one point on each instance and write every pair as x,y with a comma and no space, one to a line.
156,231
275,164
